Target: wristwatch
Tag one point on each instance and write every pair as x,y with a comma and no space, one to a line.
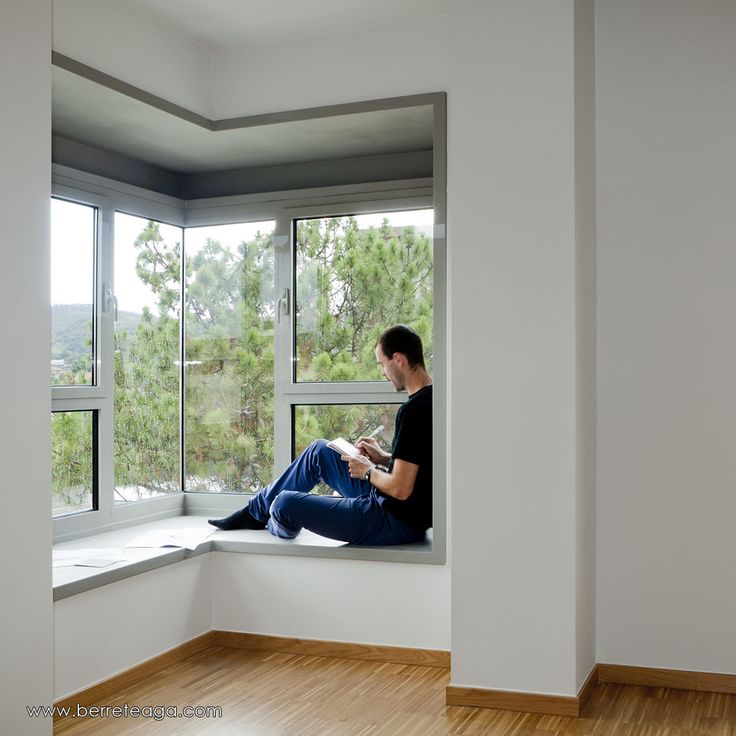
367,476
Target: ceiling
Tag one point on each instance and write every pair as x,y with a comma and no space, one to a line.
92,113
218,23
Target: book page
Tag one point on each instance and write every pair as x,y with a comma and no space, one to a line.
344,447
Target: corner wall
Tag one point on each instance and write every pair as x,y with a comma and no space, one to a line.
26,664
586,357
667,354
522,295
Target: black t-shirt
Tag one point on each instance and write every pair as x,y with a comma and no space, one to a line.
413,443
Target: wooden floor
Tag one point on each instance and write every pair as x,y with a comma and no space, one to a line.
273,694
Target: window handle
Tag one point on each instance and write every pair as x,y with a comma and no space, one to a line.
282,306
110,302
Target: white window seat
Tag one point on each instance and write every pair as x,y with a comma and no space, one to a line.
69,581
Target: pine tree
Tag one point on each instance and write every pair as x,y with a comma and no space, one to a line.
351,285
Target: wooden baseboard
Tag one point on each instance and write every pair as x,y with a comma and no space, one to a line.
553,705
587,688
343,650
99,692
710,682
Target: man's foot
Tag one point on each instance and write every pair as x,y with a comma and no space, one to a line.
241,519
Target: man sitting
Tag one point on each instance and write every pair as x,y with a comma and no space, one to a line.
376,506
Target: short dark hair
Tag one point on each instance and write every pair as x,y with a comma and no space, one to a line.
402,339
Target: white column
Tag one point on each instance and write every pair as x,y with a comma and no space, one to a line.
26,673
520,256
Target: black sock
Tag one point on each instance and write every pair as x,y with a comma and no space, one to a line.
241,519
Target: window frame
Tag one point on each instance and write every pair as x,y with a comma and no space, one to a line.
290,392
284,208
108,197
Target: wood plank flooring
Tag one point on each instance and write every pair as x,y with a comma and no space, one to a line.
275,694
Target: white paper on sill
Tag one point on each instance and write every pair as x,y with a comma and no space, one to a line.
98,561
90,557
189,537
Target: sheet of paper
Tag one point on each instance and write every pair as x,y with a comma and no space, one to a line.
189,537
100,555
98,561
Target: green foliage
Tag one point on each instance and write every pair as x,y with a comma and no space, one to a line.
351,284
146,438
71,460
230,351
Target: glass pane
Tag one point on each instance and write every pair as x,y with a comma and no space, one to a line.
73,471
356,276
349,421
147,285
229,392
72,292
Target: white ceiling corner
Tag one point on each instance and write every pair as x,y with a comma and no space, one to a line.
219,23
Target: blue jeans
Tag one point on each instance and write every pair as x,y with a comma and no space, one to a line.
356,516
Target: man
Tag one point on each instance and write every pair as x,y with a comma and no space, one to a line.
376,506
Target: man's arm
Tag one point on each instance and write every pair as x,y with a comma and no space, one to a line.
398,484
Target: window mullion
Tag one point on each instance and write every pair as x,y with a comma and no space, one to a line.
283,330
105,360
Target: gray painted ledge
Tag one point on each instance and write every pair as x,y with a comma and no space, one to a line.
72,580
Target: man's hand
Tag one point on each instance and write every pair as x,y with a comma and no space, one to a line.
357,466
371,449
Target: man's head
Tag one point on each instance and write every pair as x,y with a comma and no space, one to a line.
399,351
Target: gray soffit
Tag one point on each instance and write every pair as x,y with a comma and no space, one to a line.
97,161
105,124
361,170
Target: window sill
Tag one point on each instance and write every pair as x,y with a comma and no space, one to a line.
69,581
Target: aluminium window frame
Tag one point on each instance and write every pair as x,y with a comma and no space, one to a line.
289,391
284,208
108,197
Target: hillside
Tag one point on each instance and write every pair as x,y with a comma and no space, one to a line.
71,329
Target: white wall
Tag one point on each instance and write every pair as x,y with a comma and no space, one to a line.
392,604
515,251
667,357
111,629
585,316
121,41
26,662
397,59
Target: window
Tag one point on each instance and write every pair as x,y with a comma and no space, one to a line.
73,245
74,421
147,278
74,461
201,358
355,276
229,357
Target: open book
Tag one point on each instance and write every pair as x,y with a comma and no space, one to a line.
344,447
